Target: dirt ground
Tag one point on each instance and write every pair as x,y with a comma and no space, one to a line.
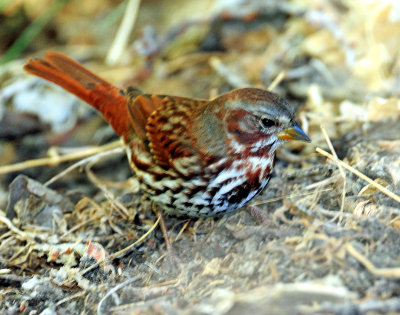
78,237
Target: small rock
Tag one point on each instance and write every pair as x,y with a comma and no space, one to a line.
33,203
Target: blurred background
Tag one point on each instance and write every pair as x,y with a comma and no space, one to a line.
337,59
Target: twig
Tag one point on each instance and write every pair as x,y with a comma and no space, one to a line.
112,291
332,213
71,297
83,162
281,75
342,172
232,78
153,268
383,272
384,190
116,254
4,271
286,196
76,227
148,295
182,230
108,194
324,182
12,227
121,39
54,160
14,278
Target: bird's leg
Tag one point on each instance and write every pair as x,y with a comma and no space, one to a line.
259,215
164,231
172,256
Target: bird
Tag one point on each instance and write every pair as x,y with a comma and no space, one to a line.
192,157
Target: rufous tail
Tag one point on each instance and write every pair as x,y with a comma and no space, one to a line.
75,78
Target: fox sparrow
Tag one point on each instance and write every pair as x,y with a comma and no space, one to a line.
193,157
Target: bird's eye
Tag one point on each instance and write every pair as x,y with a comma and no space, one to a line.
267,123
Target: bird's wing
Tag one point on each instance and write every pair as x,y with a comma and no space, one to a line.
165,123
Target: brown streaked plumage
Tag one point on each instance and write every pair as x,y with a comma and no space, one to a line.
193,157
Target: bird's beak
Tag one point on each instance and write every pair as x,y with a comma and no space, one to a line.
294,133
